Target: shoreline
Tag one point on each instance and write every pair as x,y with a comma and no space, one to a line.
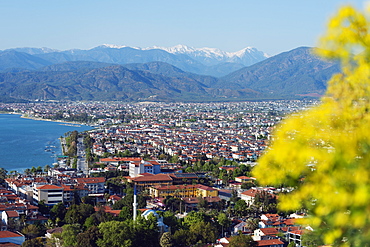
22,115
58,151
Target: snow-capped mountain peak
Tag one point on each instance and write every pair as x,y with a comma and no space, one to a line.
212,56
208,52
207,56
112,46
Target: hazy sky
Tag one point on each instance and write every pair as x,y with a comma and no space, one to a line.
269,25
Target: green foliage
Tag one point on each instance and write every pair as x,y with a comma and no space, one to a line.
3,174
128,201
35,242
204,232
77,214
183,237
71,142
292,244
129,233
58,211
31,231
170,220
242,241
98,217
89,238
195,217
241,208
43,209
324,152
69,234
115,234
312,238
166,240
223,220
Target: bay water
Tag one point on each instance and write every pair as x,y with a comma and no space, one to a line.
26,142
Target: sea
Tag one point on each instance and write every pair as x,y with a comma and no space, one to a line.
27,142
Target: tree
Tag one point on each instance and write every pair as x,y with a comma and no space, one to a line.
35,242
324,152
139,233
46,168
43,208
89,238
311,239
204,232
195,217
125,214
166,240
252,223
241,207
58,211
115,234
39,169
183,237
69,234
203,203
170,220
79,213
224,221
242,241
3,173
292,244
31,231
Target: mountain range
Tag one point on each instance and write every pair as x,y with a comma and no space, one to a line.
205,61
160,74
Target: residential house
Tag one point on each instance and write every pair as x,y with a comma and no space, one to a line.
94,185
245,179
9,218
249,195
151,166
206,191
295,236
270,243
150,180
264,233
11,237
243,227
72,190
49,193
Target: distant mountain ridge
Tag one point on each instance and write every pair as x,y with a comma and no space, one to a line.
287,75
206,61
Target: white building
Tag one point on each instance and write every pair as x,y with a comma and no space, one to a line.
49,193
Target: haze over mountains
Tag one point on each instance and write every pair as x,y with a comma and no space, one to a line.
206,61
178,73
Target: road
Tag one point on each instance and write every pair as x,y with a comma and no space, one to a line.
82,164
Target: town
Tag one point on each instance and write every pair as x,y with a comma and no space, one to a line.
166,174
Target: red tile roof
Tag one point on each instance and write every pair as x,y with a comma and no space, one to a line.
12,214
204,187
49,187
269,231
157,177
250,192
90,180
8,234
269,242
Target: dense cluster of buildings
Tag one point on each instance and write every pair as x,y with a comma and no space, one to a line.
190,132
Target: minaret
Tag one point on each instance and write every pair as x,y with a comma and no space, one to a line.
135,203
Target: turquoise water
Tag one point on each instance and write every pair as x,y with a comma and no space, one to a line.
25,142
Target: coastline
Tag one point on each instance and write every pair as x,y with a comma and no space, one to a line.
74,124
22,115
38,157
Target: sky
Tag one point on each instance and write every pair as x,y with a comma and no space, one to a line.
270,26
